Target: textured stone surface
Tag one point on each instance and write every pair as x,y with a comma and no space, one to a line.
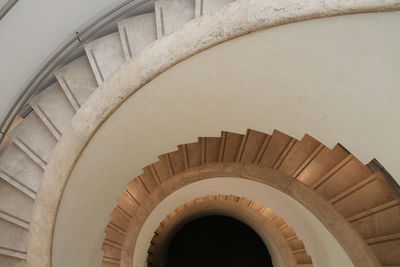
206,6
244,17
20,168
136,33
15,202
105,56
13,236
171,15
54,109
35,139
77,80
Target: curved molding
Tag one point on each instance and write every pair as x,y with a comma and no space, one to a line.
230,206
239,18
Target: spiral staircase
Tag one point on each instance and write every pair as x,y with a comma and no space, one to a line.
366,197
363,196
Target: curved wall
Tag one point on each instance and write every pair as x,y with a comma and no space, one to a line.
321,77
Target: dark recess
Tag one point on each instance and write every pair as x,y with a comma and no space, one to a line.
217,241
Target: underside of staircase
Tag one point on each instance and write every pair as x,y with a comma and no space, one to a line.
363,196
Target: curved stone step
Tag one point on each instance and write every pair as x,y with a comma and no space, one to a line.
386,249
20,171
368,195
15,205
374,222
208,6
136,33
54,109
13,240
77,80
34,138
11,261
105,56
172,15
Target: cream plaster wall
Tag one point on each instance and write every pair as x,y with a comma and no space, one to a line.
320,244
323,77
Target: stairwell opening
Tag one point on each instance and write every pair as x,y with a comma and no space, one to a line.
216,241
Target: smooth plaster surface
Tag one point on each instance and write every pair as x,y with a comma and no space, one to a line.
298,78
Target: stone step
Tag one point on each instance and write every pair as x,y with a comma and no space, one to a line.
11,260
302,257
366,196
207,6
105,55
15,204
35,139
54,109
13,239
18,169
77,80
321,164
136,33
172,15
386,249
382,223
346,174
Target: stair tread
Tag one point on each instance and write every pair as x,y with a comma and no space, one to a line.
14,202
54,109
33,137
207,6
77,80
13,237
12,259
321,164
299,153
347,176
105,55
387,251
371,195
136,33
383,223
275,147
20,170
172,15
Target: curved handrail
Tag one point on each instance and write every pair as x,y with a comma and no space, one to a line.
60,56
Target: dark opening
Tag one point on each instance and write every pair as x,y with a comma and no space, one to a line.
217,241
